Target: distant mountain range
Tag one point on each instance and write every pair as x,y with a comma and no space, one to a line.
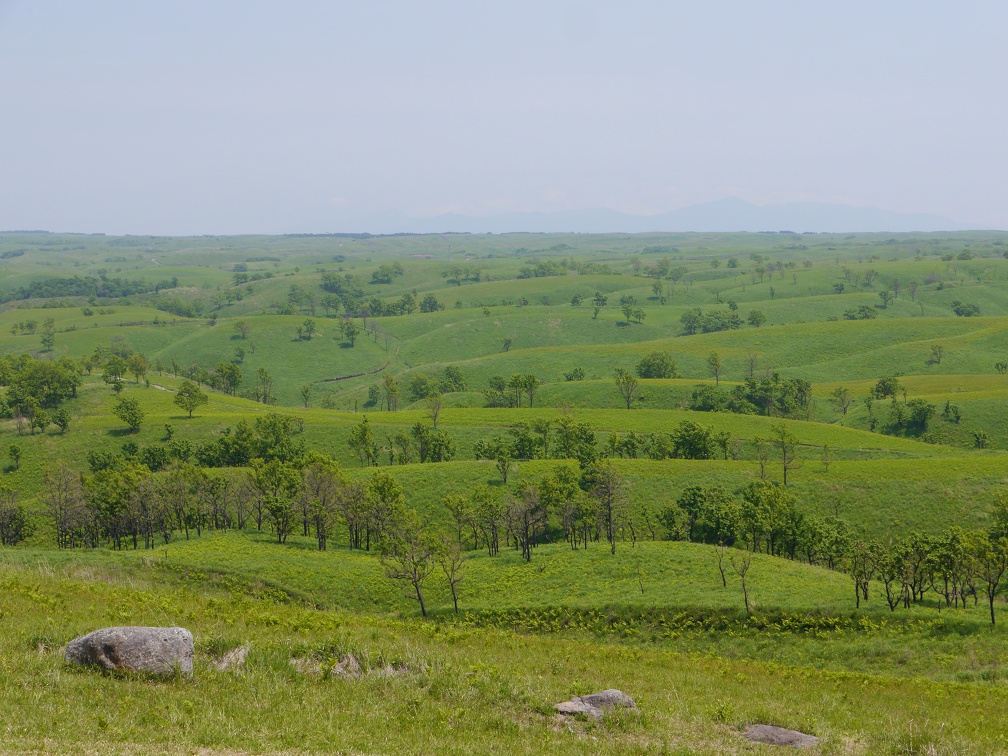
722,216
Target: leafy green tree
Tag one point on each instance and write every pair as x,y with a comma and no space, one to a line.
862,564
716,366
362,442
322,488
530,385
888,386
657,365
385,504
841,399
627,386
786,444
451,557
115,367
741,563
432,445
991,558
15,523
306,392
920,412
693,441
230,376
351,331
408,556
128,410
598,302
280,510
15,455
606,486
574,440
501,451
526,518
756,318
40,420
189,397
61,417
421,386
265,386
434,406
274,484
138,365
451,380
391,388
430,304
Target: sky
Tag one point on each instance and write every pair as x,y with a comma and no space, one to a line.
227,116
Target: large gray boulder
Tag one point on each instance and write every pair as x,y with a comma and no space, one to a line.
773,735
596,704
155,650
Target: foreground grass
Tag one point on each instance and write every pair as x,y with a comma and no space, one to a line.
663,595
427,687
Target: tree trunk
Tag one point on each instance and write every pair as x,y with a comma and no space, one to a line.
423,609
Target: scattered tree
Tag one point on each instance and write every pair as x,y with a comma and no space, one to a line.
189,397
716,366
786,445
627,386
657,365
408,556
741,562
451,558
841,399
128,410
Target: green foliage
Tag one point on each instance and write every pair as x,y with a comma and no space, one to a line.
657,365
188,397
129,411
967,310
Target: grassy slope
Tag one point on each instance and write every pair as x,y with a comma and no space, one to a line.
461,690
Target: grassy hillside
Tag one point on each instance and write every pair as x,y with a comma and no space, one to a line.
654,619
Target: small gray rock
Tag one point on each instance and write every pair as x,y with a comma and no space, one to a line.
348,668
233,658
772,735
156,650
595,705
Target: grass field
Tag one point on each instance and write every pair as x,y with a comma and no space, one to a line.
652,619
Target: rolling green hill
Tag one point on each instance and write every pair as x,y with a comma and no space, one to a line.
836,314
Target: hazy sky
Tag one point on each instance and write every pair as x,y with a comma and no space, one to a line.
230,117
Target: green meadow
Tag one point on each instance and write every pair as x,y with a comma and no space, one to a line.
327,331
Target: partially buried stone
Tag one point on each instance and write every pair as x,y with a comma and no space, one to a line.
155,650
595,705
773,735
